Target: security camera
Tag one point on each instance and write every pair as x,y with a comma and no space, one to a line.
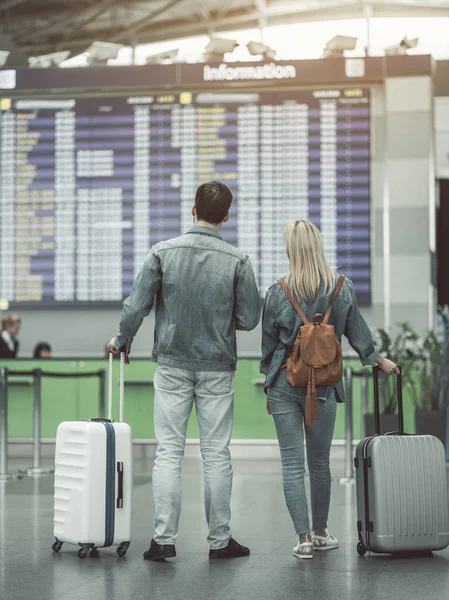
256,48
401,48
101,52
163,57
48,60
220,46
4,57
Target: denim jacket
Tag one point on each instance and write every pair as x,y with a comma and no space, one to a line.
204,290
280,326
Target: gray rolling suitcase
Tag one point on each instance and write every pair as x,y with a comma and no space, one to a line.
402,489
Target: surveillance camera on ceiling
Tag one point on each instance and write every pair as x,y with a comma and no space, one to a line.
340,43
257,48
48,60
4,57
401,48
408,44
103,51
168,56
220,46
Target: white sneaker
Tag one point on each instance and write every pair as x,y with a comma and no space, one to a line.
321,543
304,550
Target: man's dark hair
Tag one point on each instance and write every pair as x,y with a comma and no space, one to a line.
213,200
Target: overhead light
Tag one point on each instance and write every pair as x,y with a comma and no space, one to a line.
48,60
4,57
401,48
163,58
257,48
336,47
100,52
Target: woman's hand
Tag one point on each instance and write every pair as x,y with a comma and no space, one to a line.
267,408
387,366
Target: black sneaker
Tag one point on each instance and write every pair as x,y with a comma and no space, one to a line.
159,552
232,550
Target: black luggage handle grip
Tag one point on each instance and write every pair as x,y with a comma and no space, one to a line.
120,485
376,370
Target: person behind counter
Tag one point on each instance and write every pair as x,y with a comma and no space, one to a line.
9,345
42,350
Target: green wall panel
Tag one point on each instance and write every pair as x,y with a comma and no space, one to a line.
74,399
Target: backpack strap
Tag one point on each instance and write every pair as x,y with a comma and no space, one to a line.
337,291
296,305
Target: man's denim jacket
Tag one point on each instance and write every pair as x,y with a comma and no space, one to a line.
204,291
280,326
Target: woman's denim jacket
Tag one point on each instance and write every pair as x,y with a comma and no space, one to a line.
280,326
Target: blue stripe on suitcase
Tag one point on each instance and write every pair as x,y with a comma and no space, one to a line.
110,485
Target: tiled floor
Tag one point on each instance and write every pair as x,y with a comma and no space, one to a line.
29,570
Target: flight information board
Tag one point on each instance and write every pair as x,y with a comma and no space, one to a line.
88,185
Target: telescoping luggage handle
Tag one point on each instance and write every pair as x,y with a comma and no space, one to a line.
377,403
120,466
122,386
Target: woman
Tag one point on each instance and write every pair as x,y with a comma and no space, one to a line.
42,350
9,345
312,282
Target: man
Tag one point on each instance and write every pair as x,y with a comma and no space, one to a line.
205,290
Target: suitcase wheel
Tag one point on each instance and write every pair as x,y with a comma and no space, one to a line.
83,551
361,550
122,549
57,546
94,553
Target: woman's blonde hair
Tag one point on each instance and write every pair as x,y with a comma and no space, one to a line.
9,321
308,264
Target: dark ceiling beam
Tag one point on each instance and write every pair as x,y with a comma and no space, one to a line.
204,14
101,9
275,15
287,14
8,4
137,26
110,34
70,19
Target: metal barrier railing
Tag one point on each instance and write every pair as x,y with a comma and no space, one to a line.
101,374
37,375
349,430
365,376
350,374
36,469
4,472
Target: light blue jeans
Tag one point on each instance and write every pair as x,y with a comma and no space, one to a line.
288,413
213,393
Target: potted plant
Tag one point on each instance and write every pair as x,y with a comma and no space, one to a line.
431,407
405,351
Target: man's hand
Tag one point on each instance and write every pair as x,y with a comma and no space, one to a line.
113,350
268,409
387,366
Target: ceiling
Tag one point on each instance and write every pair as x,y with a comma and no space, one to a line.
40,27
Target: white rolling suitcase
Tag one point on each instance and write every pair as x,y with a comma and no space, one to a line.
93,481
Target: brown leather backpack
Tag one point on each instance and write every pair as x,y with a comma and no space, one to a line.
316,359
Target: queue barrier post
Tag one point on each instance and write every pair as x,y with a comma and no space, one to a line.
37,469
349,477
5,475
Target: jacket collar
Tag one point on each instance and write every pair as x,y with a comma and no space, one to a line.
9,341
205,231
